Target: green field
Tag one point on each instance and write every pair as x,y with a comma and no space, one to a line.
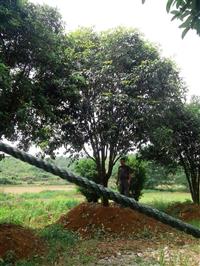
43,208
36,209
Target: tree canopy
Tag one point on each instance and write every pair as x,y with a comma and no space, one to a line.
31,63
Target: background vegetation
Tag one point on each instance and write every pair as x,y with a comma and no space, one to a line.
15,172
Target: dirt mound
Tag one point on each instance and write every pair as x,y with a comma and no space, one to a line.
17,242
90,218
185,211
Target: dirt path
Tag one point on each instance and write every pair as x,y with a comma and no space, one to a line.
34,189
153,257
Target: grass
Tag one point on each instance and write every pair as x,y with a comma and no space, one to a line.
36,210
195,223
167,197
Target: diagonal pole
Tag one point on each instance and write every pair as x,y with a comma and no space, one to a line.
101,190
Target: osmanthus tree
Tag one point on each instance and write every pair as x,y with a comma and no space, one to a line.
121,83
177,142
188,11
32,68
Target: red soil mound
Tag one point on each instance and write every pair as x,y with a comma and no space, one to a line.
89,218
185,211
18,241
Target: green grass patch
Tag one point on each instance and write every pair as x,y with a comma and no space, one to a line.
60,241
56,234
167,197
36,210
195,223
49,194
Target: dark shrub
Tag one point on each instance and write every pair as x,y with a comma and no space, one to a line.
87,168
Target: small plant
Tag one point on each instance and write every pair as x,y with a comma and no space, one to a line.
56,234
146,233
162,258
8,259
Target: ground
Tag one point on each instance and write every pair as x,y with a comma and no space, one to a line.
114,235
89,219
17,242
185,211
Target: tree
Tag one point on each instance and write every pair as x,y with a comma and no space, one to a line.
177,142
32,69
120,82
188,11
87,92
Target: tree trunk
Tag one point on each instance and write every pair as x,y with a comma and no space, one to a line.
103,174
195,188
193,178
105,201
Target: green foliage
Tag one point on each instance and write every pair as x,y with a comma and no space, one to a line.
31,65
138,177
176,141
56,234
6,181
164,177
187,11
87,168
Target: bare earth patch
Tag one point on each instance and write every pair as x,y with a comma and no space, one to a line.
90,218
185,211
19,242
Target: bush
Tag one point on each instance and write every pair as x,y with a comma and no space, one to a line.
138,177
6,181
87,168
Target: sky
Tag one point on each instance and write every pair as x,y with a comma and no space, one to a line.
150,18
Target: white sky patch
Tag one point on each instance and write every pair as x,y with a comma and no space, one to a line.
151,19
